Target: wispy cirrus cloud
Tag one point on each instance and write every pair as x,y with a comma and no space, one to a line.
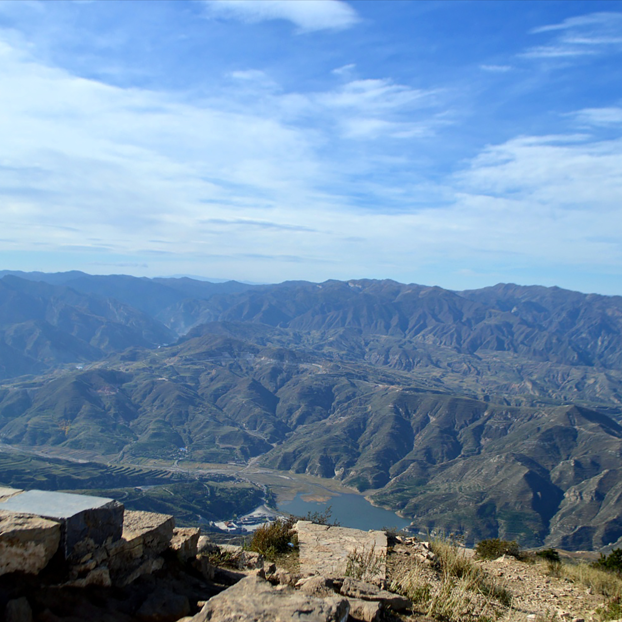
141,174
600,117
496,68
585,35
260,224
308,15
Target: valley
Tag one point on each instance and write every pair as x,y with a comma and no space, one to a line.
486,413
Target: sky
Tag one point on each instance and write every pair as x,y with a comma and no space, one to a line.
458,144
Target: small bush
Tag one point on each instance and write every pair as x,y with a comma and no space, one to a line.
494,548
611,562
322,518
549,555
554,569
274,539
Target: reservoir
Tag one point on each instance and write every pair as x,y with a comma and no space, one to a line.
349,510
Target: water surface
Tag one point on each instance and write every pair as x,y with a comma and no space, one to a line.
349,510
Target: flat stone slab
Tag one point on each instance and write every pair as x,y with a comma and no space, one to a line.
82,517
336,551
27,543
51,504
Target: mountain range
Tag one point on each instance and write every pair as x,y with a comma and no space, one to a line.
491,412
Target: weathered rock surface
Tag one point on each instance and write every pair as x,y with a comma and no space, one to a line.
6,493
255,600
185,542
145,536
317,586
27,543
83,518
18,610
153,531
164,606
326,550
205,545
364,610
368,591
241,559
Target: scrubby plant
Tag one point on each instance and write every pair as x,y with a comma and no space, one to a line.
549,555
274,539
218,557
611,562
494,548
322,518
463,592
365,564
603,582
611,611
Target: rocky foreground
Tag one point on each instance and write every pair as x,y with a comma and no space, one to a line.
74,558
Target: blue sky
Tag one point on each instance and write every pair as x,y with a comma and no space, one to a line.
458,144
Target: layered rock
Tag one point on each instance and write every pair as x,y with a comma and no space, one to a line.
254,599
27,543
81,517
336,551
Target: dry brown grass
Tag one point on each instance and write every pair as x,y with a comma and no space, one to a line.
365,565
600,581
461,591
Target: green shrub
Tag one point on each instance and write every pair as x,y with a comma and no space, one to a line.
274,539
494,548
611,562
549,555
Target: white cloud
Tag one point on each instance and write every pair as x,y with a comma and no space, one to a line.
496,68
600,116
346,70
586,35
375,95
147,178
308,15
142,177
592,20
379,107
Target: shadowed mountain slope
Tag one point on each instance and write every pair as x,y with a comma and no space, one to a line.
44,325
484,412
445,461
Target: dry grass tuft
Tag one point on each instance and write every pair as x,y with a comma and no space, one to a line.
600,581
463,592
365,565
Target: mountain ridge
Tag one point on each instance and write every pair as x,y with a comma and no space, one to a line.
485,411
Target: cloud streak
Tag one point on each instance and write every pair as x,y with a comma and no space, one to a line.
308,15
586,35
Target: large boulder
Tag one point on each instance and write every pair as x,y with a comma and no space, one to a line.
363,590
86,521
18,610
27,543
185,543
333,551
254,600
145,536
